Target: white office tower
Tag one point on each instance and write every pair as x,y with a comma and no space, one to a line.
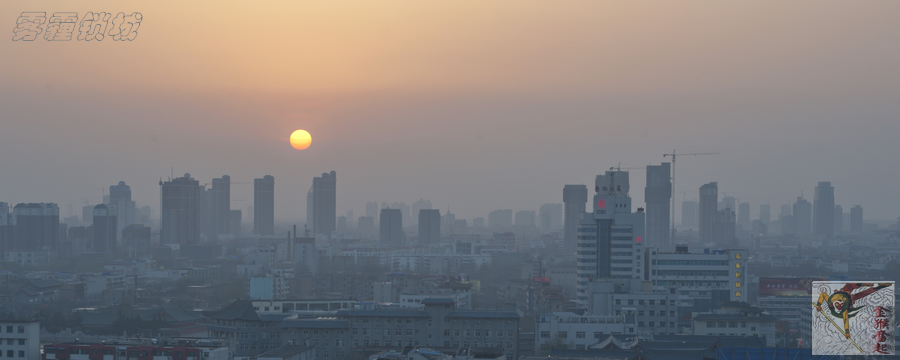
610,238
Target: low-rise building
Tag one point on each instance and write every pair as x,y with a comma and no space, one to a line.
736,319
20,339
566,330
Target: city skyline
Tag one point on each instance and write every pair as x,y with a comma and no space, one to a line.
502,113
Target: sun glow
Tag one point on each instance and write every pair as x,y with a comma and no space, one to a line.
300,139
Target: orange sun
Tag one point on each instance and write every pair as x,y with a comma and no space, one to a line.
300,139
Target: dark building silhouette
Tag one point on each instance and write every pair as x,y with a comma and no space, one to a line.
136,241
366,226
7,227
838,219
219,207
104,227
180,204
802,216
429,226
707,209
856,219
264,205
824,209
574,202
391,228
234,221
119,192
657,195
725,227
322,204
36,227
765,214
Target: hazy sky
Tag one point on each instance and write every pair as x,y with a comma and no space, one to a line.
473,104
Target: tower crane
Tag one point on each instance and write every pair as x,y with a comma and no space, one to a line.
673,155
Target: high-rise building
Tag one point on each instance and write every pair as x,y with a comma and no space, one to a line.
500,219
709,195
372,209
765,214
136,241
429,226
802,216
743,215
121,205
724,227
234,222
574,202
220,207
119,192
391,228
823,209
447,222
36,227
856,219
264,205
657,195
610,242
404,211
180,214
419,205
525,218
366,226
7,228
689,214
105,228
838,219
551,217
323,196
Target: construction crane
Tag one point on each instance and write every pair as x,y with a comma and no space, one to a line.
673,155
620,168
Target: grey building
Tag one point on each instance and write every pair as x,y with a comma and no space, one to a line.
802,213
180,204
105,230
322,202
7,227
823,209
429,226
525,218
136,241
36,226
709,195
217,207
391,229
500,219
689,214
724,228
743,215
550,217
419,205
765,214
574,202
264,205
657,195
249,332
610,241
359,333
856,219
838,219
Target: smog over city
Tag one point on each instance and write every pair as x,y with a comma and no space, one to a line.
448,179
